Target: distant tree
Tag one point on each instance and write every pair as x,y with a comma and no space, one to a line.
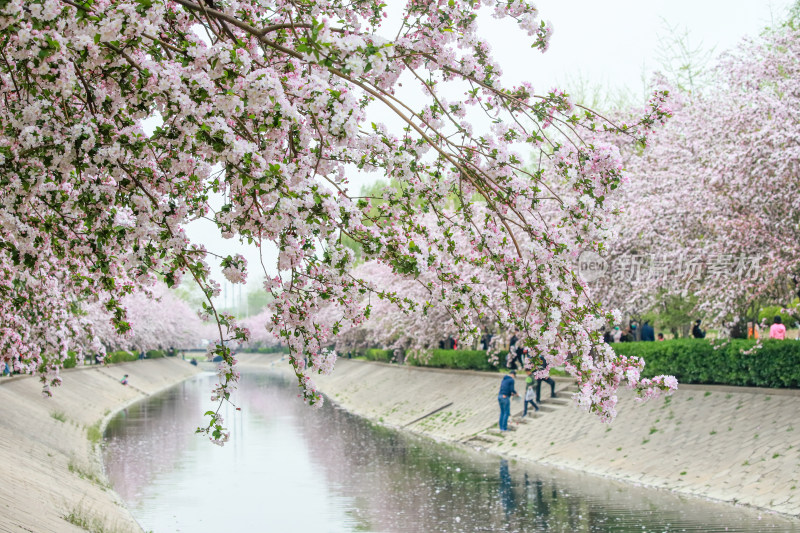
683,62
603,97
257,300
159,319
712,208
189,292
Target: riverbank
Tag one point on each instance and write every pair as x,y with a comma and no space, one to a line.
733,444
52,473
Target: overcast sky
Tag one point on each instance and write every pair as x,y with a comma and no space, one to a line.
611,43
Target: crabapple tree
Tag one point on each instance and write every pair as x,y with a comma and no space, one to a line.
158,319
273,105
713,206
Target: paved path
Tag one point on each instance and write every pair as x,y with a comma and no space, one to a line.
732,444
50,468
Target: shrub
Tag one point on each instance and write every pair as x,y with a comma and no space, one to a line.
776,364
270,349
120,356
375,354
461,359
155,354
767,314
71,361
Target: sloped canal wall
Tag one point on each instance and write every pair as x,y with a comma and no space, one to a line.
52,476
733,444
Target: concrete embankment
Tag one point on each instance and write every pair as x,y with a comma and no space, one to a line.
51,476
733,444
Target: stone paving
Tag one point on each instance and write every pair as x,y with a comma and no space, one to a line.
739,445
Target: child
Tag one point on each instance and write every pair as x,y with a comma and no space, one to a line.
777,330
530,394
124,379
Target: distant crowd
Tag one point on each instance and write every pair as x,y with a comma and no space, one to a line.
630,333
646,333
518,355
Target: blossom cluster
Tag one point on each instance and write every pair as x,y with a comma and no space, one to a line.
273,106
711,209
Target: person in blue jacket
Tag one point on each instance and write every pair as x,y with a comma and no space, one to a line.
648,334
507,390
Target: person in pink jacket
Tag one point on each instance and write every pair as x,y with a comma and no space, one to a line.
777,330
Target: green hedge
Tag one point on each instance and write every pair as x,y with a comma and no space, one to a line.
111,357
375,354
776,364
121,356
461,359
270,349
71,361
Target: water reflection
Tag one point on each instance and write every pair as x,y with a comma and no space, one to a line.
506,490
290,468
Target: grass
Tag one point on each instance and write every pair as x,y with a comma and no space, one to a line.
83,473
58,415
83,518
94,434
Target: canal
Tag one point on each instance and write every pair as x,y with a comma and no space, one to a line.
293,468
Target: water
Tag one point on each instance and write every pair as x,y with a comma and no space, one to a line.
291,468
